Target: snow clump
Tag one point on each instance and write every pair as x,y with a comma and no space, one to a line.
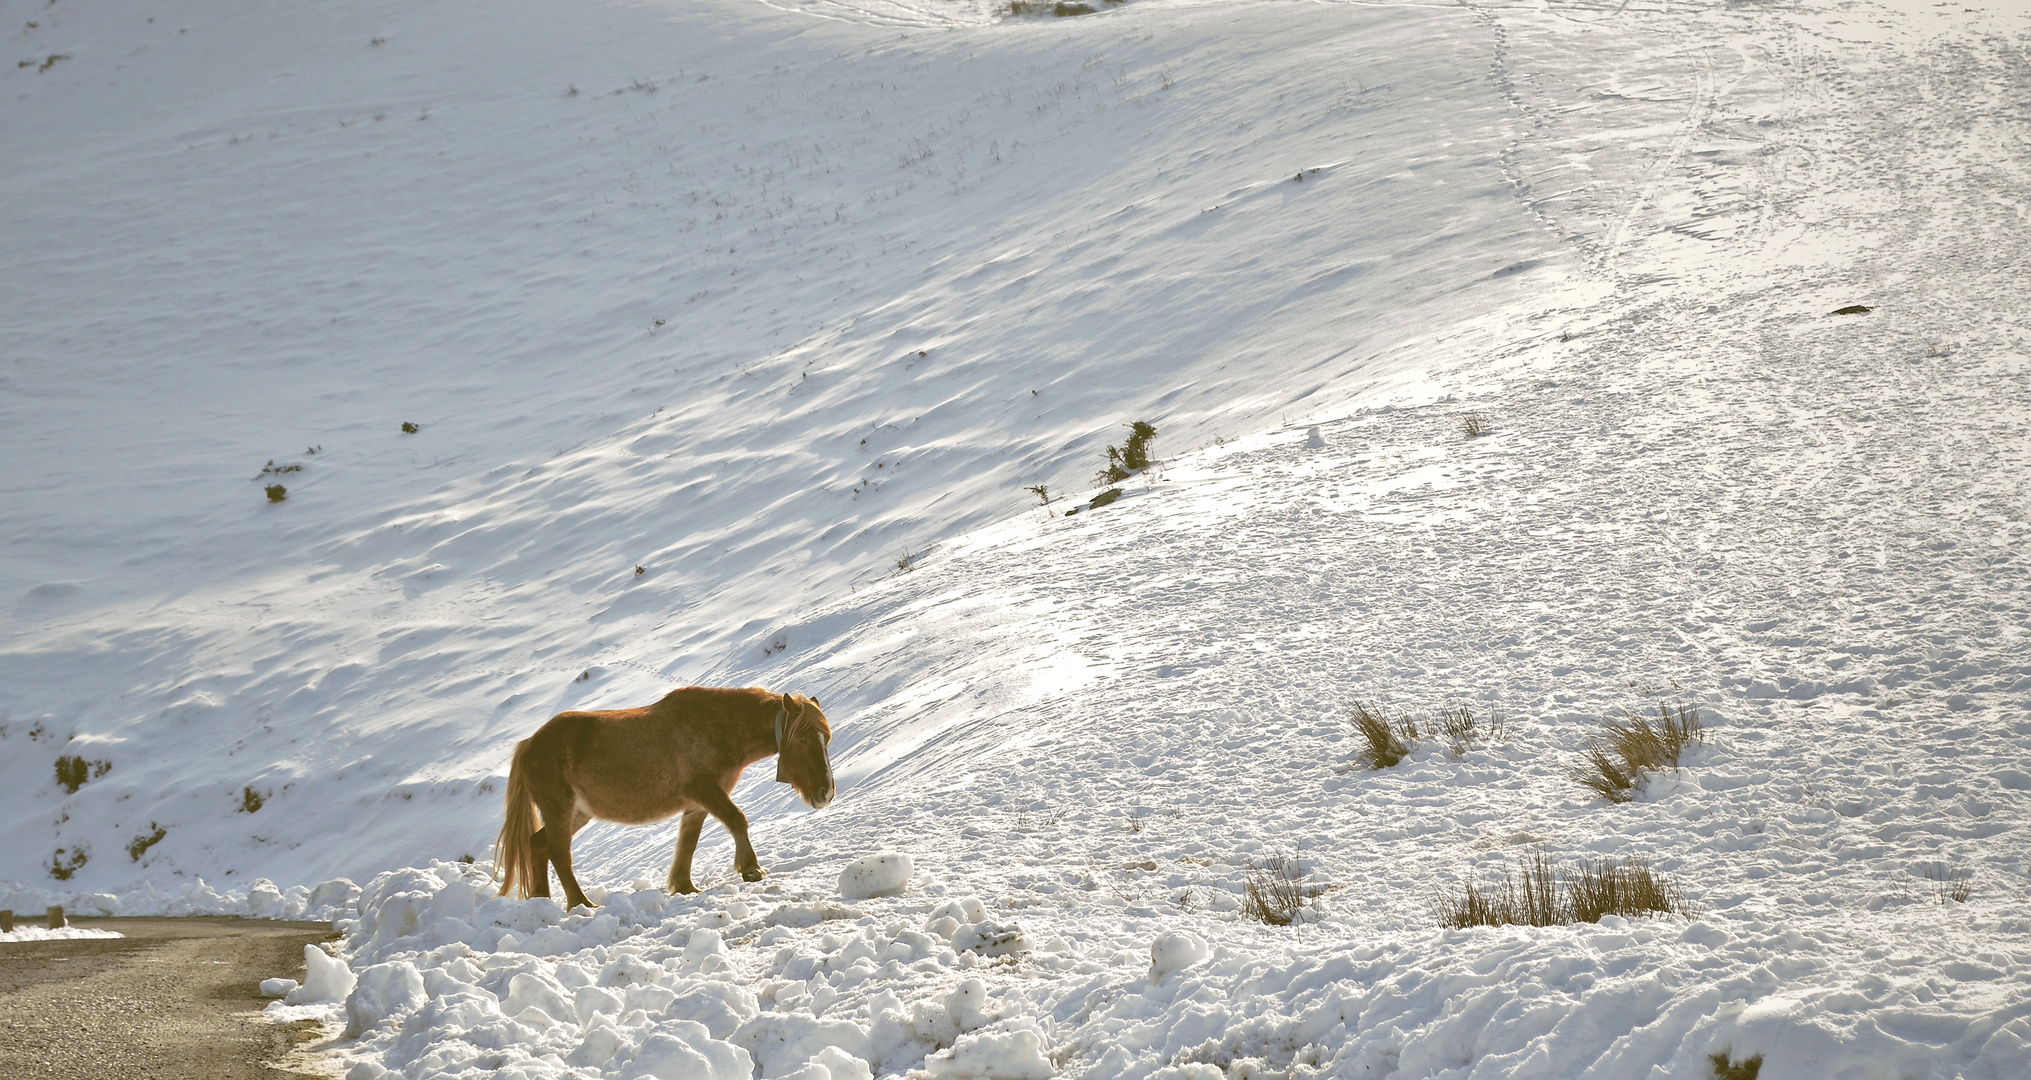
885,874
1010,1050
326,980
1174,950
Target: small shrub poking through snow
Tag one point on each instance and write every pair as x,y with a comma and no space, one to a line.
1614,762
1474,427
1726,1068
276,492
1276,893
68,861
1130,457
139,846
72,771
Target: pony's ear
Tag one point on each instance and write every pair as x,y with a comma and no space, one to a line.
814,701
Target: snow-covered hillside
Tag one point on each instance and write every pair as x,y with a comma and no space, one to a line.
767,300
766,304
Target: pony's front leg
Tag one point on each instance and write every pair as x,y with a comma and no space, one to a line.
687,842
720,805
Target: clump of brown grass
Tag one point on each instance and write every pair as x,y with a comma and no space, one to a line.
1388,737
1530,896
1471,908
1614,762
1276,893
1542,893
1628,889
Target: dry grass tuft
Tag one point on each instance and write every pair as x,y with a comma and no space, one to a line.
1534,895
1471,908
1614,763
1388,737
1542,893
1276,892
1464,730
1530,896
1951,885
1628,889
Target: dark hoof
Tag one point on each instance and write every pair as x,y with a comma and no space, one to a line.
756,874
683,888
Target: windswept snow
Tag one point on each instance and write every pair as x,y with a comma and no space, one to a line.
767,304
784,305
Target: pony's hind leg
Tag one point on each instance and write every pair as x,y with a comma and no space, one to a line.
539,885
687,842
558,846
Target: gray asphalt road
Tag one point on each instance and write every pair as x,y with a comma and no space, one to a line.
172,1000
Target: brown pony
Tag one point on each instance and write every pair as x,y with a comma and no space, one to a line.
681,755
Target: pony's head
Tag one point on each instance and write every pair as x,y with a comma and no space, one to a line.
804,750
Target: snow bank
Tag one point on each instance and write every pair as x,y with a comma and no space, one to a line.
643,985
43,933
262,899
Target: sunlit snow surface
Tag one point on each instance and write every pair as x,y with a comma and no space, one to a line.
1613,233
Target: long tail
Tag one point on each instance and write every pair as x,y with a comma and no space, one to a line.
514,852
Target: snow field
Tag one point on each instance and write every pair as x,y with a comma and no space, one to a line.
1612,234
770,302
